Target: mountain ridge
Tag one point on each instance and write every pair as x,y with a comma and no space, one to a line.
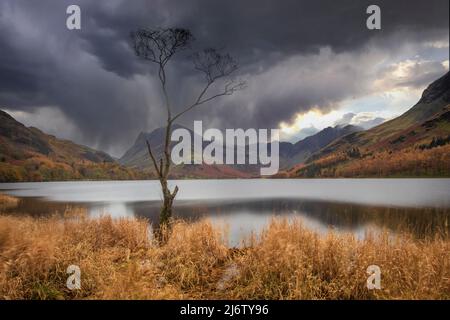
417,143
409,134
29,154
290,153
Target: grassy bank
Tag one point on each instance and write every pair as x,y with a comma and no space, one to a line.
118,259
7,202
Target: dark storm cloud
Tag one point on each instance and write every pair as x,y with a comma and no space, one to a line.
268,29
258,32
92,76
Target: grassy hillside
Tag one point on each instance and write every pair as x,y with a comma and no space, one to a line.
28,154
414,144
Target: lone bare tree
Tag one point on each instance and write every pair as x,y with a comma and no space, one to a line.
159,46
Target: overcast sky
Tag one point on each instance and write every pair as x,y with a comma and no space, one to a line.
308,64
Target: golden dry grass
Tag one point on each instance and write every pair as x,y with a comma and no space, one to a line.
119,260
7,202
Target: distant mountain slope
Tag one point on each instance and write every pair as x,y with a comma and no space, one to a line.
28,154
412,135
137,156
303,149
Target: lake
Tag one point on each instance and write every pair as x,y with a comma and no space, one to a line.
419,206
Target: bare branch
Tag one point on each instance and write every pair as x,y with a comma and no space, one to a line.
159,45
230,88
174,193
153,158
161,167
214,66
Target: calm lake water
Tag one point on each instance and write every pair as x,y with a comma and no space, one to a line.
420,206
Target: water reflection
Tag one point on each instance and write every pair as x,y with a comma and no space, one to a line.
246,216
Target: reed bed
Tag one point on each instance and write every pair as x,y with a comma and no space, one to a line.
119,259
7,202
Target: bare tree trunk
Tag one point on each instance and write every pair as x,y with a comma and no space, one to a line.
166,209
163,174
163,230
162,171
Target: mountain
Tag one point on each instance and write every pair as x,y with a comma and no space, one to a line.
413,144
290,154
137,157
303,149
416,143
28,154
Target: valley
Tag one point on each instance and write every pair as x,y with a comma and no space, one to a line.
415,144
